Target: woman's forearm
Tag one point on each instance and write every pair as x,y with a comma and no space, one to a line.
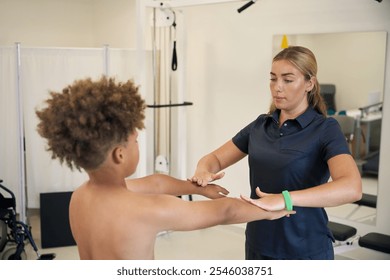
209,163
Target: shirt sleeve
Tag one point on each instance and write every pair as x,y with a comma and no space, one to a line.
241,139
333,140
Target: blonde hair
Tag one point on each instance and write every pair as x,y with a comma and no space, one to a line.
304,60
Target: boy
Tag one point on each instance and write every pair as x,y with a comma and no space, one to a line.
93,125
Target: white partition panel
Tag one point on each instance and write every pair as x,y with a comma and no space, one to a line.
9,160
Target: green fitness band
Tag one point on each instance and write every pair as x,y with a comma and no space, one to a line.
287,200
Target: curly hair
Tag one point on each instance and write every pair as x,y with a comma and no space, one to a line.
84,121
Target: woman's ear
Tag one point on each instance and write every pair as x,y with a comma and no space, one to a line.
310,84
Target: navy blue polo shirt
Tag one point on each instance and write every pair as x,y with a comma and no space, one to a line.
290,157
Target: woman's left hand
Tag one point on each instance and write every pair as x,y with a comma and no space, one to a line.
267,201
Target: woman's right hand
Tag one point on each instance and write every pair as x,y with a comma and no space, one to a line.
203,178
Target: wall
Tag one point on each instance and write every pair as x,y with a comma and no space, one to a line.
46,23
228,61
67,23
114,23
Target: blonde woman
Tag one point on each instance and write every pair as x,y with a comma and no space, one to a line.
292,152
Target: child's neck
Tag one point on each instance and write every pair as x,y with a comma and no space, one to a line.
106,177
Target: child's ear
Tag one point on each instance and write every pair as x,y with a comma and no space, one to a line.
117,155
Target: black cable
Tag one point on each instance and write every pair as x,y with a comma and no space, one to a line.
246,6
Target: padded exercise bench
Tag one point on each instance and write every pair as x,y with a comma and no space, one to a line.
341,232
376,241
368,200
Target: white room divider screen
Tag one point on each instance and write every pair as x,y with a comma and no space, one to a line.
33,72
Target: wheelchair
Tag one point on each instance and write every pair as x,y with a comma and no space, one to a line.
14,234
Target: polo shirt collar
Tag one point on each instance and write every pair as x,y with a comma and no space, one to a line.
303,120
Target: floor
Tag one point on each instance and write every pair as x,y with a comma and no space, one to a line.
216,243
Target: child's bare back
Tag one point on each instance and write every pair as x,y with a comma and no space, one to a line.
110,222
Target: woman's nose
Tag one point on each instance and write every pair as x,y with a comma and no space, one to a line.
277,86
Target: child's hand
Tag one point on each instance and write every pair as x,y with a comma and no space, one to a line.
213,191
279,214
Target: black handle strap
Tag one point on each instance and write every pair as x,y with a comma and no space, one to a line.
174,57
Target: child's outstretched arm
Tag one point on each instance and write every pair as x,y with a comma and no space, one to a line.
164,184
171,213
